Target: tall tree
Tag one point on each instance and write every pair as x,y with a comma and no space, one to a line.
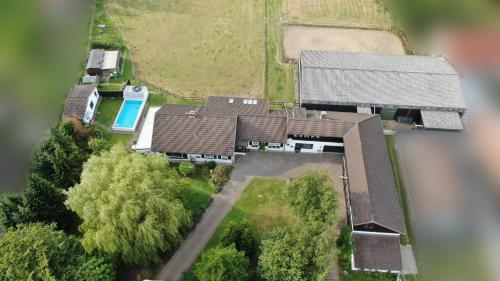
312,196
130,206
242,236
222,263
39,252
59,159
11,210
303,253
44,202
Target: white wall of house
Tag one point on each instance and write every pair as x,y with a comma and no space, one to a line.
270,146
91,106
203,158
310,146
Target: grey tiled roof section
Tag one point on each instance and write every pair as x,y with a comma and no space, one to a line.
221,107
193,134
372,188
96,58
377,252
446,120
261,128
366,79
375,62
77,100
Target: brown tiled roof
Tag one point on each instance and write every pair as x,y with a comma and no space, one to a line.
182,133
261,128
77,100
376,251
178,109
318,127
373,194
221,107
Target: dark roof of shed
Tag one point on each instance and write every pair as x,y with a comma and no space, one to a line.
96,58
377,251
261,128
372,188
77,100
177,132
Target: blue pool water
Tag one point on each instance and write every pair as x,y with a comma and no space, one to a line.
128,114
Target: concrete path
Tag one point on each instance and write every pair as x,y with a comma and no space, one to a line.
269,164
408,260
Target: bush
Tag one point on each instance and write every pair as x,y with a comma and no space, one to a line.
189,275
98,145
222,264
211,165
220,176
186,168
344,245
242,236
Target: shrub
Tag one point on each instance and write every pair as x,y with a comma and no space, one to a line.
211,165
344,245
242,236
220,175
186,168
99,145
222,264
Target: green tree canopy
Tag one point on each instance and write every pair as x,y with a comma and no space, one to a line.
59,159
312,196
39,252
242,236
43,202
303,253
130,206
222,263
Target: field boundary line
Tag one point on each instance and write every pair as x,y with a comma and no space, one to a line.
168,92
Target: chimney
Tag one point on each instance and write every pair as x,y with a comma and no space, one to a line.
323,115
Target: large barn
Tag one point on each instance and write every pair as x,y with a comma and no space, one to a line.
420,89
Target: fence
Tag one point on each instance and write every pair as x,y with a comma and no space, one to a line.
168,92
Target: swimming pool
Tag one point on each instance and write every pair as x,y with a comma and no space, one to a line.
128,116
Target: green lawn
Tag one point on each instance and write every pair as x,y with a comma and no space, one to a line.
158,99
263,204
279,84
201,192
116,138
107,111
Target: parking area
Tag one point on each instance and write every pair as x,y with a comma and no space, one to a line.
297,38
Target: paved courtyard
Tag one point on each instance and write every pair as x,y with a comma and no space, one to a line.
254,164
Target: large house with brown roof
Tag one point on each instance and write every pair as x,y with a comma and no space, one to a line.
227,126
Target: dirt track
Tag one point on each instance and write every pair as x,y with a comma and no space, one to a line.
297,38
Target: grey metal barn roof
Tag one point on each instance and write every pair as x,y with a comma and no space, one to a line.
372,79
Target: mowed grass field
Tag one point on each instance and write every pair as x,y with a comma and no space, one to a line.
196,47
339,13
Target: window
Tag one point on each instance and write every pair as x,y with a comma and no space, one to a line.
209,156
254,143
175,155
307,145
275,145
91,104
224,157
95,93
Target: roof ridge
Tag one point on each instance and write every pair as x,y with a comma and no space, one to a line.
379,70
